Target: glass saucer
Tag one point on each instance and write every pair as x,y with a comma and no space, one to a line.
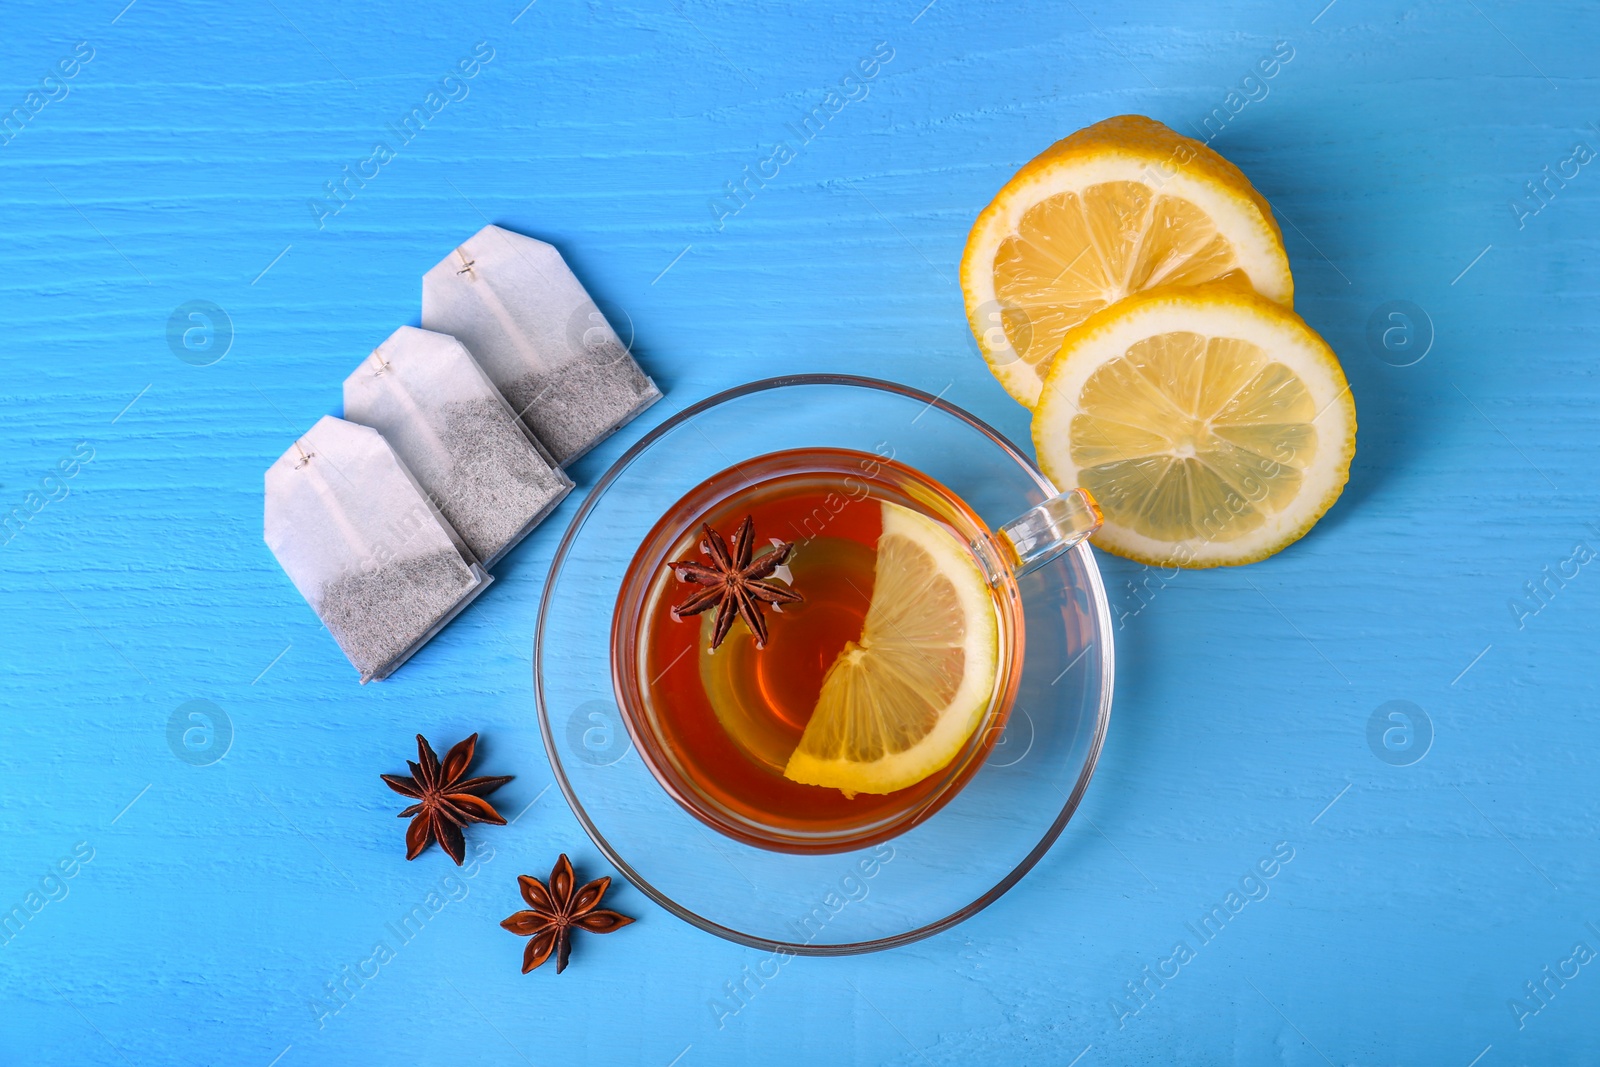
944,870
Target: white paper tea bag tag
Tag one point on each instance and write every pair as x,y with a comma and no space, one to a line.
457,435
359,539
526,318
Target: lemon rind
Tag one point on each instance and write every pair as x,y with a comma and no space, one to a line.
1212,310
980,646
1124,148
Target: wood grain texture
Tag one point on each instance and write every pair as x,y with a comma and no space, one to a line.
225,901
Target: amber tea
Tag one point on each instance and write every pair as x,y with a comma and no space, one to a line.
814,650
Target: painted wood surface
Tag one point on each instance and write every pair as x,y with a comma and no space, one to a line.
186,158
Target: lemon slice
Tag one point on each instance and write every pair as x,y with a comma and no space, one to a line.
1118,207
1213,426
901,703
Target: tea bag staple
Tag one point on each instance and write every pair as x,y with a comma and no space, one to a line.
373,557
457,435
523,314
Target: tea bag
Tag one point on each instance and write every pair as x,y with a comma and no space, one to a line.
456,434
370,554
518,308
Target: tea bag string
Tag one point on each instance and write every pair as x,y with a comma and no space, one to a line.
418,421
312,471
491,301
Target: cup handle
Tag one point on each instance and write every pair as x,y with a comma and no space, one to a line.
1043,532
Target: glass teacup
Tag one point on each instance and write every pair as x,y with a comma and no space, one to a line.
977,826
717,710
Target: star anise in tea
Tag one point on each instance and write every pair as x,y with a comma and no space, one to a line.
734,583
445,801
556,911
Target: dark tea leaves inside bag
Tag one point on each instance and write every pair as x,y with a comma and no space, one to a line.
527,319
366,549
457,435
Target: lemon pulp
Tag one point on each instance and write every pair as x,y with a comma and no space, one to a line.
1074,253
1212,426
1117,208
901,703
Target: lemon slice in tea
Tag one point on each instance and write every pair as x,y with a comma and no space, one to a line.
901,702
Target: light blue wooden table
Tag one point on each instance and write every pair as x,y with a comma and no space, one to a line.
210,908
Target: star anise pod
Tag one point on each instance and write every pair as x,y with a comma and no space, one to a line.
734,584
445,803
558,910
